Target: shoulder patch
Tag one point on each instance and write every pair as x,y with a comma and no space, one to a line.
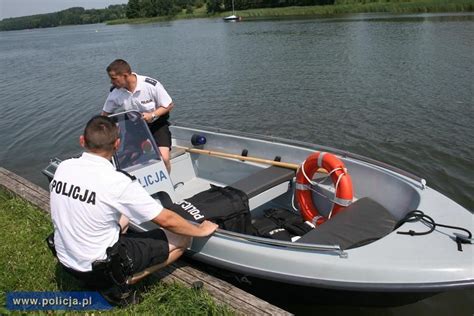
112,88
133,178
151,81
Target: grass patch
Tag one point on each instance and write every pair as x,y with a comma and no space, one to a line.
363,7
26,264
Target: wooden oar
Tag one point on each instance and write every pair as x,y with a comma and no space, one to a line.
287,165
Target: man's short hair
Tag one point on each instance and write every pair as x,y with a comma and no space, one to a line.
119,66
100,134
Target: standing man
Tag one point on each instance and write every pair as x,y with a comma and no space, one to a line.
131,91
89,200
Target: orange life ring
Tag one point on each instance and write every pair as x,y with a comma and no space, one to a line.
339,176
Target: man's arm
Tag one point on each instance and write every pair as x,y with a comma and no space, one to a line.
148,116
163,101
177,224
103,113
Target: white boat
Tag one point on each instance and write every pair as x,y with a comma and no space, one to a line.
232,17
352,251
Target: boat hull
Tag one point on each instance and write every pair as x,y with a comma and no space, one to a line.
231,18
396,263
287,295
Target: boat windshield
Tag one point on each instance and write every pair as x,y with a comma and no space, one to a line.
137,145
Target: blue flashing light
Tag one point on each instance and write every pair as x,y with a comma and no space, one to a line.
197,140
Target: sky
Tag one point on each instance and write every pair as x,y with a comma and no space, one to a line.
15,8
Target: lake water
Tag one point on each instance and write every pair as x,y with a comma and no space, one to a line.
396,88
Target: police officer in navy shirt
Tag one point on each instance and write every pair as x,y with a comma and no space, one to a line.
90,200
131,91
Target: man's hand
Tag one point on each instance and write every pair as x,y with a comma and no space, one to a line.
207,228
175,223
148,117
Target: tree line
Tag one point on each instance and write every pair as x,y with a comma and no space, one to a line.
143,9
153,8
76,15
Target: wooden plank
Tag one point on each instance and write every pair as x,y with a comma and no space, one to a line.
222,292
242,302
23,188
181,272
246,304
169,275
221,284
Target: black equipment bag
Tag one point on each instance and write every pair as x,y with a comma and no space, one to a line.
281,224
291,221
226,206
266,227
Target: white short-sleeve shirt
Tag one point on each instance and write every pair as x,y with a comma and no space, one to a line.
87,198
149,95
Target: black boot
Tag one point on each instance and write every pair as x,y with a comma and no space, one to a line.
121,297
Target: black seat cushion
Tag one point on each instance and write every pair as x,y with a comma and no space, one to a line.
263,180
361,223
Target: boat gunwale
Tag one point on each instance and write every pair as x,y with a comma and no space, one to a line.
281,243
306,145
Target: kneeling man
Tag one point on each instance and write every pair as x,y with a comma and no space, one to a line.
90,200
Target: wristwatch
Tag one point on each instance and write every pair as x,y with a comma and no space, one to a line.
153,116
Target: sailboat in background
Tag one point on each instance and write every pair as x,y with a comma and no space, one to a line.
232,17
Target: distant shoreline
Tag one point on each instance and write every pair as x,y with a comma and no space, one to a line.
79,16
429,6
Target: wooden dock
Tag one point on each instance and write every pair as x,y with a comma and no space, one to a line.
241,302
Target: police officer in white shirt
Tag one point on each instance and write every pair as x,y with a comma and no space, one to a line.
88,198
131,91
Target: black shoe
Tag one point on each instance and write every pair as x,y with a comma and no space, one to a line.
118,297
